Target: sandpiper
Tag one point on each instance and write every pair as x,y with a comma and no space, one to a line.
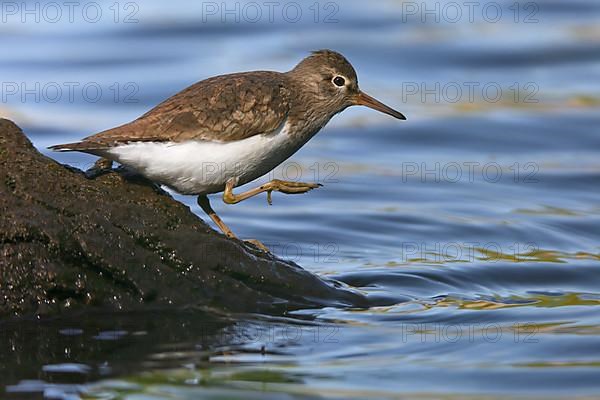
229,130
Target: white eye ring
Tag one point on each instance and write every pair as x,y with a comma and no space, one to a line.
339,81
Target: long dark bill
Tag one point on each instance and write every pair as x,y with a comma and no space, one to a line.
363,99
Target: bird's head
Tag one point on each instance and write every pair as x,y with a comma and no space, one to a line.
332,82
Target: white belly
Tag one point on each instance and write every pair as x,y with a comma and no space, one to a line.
202,167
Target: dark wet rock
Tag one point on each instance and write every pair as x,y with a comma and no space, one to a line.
121,243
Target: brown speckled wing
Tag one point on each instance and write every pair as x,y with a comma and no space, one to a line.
224,108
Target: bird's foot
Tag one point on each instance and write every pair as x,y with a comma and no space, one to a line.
101,166
288,187
258,244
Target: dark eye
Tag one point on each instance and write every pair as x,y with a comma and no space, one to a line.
339,81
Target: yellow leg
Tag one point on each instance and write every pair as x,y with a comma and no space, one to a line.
205,206
275,185
101,166
103,163
204,203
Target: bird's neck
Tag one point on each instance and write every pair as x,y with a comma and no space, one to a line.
309,113
303,126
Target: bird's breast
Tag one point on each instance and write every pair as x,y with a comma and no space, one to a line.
199,167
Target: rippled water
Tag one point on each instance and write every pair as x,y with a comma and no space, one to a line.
476,218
